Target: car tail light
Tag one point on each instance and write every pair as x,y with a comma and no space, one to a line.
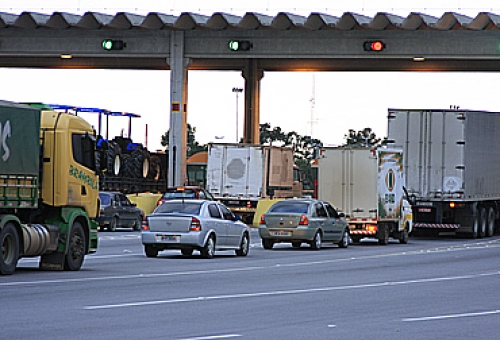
262,219
161,201
303,220
145,225
195,224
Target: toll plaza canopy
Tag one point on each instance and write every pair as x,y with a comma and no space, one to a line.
253,43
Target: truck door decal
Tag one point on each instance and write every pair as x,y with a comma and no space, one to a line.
4,134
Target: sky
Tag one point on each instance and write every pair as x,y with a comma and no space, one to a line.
324,105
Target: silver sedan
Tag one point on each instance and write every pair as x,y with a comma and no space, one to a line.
191,225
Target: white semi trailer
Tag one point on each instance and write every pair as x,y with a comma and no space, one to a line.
452,168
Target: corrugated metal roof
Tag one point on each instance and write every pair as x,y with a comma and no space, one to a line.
250,21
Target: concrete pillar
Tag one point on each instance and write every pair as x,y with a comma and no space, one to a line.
178,110
252,75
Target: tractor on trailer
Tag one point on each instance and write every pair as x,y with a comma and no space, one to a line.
451,164
48,187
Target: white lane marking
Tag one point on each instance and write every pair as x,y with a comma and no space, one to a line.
222,336
288,292
228,270
451,316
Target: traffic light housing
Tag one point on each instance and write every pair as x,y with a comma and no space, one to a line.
374,45
112,44
240,45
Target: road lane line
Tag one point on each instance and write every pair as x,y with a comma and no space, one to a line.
222,336
451,316
287,292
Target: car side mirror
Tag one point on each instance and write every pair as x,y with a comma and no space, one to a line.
341,215
237,218
134,204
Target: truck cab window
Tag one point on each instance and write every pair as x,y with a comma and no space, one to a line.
83,146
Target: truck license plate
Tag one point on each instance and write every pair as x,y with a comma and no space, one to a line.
281,233
168,238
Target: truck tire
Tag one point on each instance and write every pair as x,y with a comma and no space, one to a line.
9,240
490,230
128,167
383,235
76,248
154,168
113,155
403,236
140,161
475,226
482,222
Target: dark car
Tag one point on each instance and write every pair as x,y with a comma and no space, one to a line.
118,211
185,192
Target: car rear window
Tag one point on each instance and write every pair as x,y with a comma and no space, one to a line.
105,199
192,208
290,207
173,194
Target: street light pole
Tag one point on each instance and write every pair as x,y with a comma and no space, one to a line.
237,90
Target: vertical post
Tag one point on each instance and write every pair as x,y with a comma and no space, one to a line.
178,110
252,76
237,90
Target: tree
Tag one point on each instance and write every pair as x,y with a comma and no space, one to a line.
365,137
192,145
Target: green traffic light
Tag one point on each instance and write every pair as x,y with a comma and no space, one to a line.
234,45
107,44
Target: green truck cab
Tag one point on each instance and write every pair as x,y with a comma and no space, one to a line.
48,187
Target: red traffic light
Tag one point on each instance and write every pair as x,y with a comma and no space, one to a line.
375,46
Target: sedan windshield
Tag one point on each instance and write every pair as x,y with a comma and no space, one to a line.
290,207
192,208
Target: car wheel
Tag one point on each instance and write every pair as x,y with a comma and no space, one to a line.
244,246
76,248
296,244
151,251
267,244
344,242
317,241
138,223
209,249
113,224
187,251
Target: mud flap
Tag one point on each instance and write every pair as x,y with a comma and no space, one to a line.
54,261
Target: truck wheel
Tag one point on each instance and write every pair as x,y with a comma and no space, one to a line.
475,226
403,237
383,237
490,229
138,224
317,241
267,244
356,239
150,250
209,249
9,240
344,242
187,251
154,168
482,223
76,248
244,246
296,244
113,224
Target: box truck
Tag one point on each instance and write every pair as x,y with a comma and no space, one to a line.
452,162
239,175
367,185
